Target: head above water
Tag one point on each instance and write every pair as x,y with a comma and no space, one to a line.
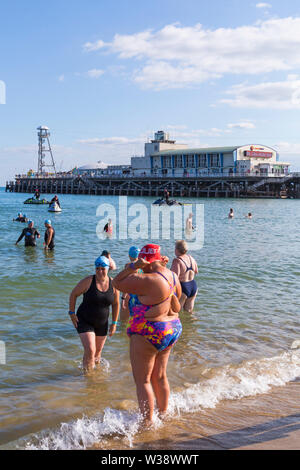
105,253
133,252
181,247
30,222
47,222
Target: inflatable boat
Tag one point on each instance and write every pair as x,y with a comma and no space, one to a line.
163,202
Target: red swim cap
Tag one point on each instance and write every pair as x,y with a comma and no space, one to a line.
150,253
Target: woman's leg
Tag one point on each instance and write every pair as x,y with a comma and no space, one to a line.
100,341
142,356
159,380
182,300
88,340
188,305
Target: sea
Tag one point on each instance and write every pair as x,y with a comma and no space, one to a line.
235,371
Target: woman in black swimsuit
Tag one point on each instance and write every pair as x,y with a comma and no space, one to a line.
91,320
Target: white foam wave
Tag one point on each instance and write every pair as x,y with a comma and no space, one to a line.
230,382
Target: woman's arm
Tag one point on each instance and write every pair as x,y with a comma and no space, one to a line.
78,290
115,313
130,282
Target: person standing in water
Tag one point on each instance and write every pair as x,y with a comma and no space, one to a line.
154,326
108,228
49,236
133,254
30,233
231,214
185,267
91,320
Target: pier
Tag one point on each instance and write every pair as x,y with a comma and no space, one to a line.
237,186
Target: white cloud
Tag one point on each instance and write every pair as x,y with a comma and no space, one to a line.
178,56
95,73
263,5
61,78
241,125
93,46
275,95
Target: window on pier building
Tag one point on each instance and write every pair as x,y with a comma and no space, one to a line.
190,161
214,159
178,161
202,163
167,162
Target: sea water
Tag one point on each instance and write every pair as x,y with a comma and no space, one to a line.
236,346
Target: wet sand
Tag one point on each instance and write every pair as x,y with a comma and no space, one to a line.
234,425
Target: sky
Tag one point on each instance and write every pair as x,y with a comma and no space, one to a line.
105,75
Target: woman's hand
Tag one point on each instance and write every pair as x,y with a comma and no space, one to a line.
164,260
74,320
141,263
112,329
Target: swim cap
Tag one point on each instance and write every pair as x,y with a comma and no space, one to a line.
30,222
105,253
19,213
48,222
150,253
133,252
102,262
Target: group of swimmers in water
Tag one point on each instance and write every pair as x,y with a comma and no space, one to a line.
231,214
30,233
148,295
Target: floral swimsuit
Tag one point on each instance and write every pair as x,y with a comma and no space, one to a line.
161,334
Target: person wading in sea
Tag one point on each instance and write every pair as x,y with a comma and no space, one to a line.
185,267
154,325
91,320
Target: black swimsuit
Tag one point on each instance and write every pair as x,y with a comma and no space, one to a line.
93,312
51,244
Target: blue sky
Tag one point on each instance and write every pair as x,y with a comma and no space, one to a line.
104,75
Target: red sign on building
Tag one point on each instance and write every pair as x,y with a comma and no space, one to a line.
258,154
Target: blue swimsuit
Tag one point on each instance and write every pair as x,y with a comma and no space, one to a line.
189,288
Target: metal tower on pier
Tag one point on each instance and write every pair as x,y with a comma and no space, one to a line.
44,146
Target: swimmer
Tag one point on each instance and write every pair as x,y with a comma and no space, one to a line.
133,254
91,319
112,264
108,228
231,214
154,326
21,218
185,267
49,236
249,215
30,233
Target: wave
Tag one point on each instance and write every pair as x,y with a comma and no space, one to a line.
231,382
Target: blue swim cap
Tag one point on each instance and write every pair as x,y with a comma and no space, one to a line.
102,262
24,215
19,213
30,222
47,221
133,252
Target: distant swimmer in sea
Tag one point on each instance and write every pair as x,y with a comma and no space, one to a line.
249,215
112,264
21,218
133,254
231,214
189,228
154,326
91,319
185,267
49,236
30,233
108,228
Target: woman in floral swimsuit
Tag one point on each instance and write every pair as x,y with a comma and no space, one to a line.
154,326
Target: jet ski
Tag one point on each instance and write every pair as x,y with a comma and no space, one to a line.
32,200
54,207
163,202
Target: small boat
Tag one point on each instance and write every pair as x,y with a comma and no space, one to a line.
283,194
32,200
163,202
54,207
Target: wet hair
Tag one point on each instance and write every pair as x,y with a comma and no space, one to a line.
105,253
181,246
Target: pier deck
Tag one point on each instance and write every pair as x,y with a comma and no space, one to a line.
204,186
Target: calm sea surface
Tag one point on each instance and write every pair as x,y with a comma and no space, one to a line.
236,345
